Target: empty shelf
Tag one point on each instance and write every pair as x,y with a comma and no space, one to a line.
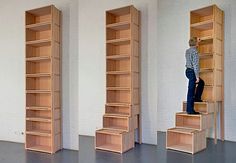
205,25
39,132
118,57
206,38
119,26
205,55
38,59
38,75
202,70
120,41
39,26
43,42
38,108
118,72
40,148
110,147
181,147
37,119
118,88
118,104
38,91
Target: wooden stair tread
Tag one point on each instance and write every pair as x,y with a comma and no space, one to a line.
183,130
199,103
116,115
119,128
190,115
110,131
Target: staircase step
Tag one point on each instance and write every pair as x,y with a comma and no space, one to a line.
186,140
193,121
114,140
122,110
120,122
202,107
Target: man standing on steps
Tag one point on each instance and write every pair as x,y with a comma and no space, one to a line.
192,73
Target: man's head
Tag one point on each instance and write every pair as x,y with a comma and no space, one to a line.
193,41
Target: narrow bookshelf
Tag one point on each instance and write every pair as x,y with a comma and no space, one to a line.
122,109
43,110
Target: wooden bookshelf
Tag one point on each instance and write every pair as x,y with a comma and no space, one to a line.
207,24
122,113
43,113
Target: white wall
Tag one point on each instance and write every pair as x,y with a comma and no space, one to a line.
12,68
92,64
173,34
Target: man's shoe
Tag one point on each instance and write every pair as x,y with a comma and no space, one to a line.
197,100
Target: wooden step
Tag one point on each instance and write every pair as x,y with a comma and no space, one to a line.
185,140
120,122
202,107
193,121
123,110
114,140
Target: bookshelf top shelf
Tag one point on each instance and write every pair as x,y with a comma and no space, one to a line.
120,11
206,11
40,11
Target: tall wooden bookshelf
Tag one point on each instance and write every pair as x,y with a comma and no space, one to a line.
122,109
43,108
190,133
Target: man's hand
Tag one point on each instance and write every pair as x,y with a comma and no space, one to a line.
197,81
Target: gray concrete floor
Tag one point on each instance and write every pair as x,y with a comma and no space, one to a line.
223,152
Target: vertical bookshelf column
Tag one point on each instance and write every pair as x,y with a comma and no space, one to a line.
122,101
189,135
43,128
